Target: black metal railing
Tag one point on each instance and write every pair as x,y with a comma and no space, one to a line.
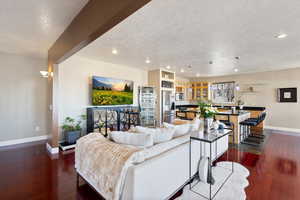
112,118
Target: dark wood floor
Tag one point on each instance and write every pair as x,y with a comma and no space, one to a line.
28,172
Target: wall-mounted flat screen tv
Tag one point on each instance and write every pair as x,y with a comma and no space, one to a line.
111,91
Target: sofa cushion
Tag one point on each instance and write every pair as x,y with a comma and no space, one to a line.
159,134
140,140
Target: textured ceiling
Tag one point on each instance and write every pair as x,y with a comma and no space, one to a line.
180,33
30,27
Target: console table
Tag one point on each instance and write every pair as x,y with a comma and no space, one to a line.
210,139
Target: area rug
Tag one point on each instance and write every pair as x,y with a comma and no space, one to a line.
233,189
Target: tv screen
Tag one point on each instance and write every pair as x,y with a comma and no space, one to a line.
111,91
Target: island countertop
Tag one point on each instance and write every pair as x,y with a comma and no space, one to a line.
254,108
236,113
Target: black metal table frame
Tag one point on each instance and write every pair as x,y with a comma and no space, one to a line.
210,164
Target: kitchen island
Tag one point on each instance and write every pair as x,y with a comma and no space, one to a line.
255,111
189,112
235,118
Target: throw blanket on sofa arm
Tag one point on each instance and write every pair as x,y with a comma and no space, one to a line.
104,163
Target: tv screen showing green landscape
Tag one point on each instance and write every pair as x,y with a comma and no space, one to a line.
111,91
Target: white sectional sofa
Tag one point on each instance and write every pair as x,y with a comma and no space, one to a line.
162,176
164,172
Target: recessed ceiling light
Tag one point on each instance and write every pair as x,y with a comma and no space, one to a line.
236,70
148,61
168,67
197,74
182,70
281,36
114,51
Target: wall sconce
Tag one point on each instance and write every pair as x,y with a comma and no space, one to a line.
237,87
45,74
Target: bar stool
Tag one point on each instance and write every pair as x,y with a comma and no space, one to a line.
245,130
259,120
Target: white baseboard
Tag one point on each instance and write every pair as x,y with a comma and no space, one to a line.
52,150
284,130
23,140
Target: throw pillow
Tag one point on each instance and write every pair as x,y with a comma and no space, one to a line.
140,140
196,124
180,130
159,134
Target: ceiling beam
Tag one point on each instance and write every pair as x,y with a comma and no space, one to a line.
96,18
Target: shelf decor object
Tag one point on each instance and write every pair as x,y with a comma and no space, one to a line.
287,95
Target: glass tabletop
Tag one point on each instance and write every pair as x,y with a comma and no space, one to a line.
210,137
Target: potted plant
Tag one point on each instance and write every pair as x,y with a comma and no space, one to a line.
202,106
72,129
207,112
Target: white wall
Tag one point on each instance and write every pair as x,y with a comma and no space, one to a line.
285,115
24,94
75,82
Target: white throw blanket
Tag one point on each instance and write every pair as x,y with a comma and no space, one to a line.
104,163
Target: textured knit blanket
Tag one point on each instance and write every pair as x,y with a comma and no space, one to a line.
104,163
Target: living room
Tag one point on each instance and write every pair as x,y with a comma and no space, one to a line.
181,89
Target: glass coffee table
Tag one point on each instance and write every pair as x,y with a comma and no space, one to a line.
211,139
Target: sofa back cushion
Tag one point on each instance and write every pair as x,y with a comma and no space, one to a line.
140,140
159,134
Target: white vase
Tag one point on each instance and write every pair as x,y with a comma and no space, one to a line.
208,124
